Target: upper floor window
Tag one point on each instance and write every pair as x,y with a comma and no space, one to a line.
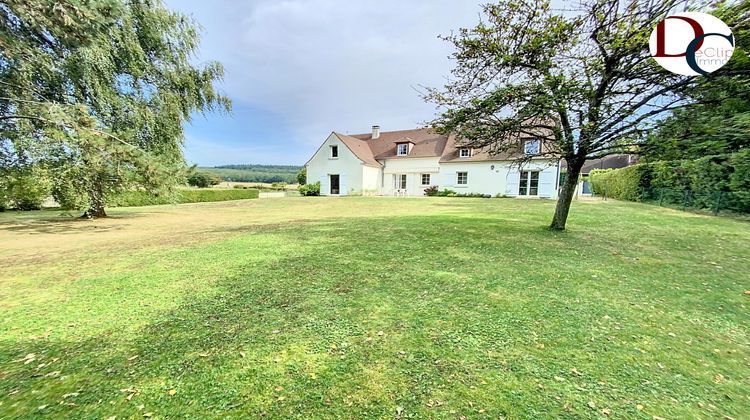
402,149
464,152
532,147
334,151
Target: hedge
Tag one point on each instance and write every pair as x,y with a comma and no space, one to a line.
199,195
708,182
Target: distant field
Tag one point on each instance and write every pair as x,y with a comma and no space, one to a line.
258,185
255,173
375,307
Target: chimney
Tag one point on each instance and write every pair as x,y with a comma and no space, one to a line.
375,131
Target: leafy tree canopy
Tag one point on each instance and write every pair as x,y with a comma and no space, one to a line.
580,80
720,122
96,92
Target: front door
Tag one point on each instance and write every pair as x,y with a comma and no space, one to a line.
334,184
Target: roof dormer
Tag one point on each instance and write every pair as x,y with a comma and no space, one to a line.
404,146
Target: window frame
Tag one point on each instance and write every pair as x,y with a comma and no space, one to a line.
538,148
462,150
398,149
465,178
400,182
429,179
525,182
331,154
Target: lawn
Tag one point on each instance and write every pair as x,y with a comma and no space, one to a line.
377,307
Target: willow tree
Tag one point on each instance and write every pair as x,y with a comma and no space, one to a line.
580,80
97,93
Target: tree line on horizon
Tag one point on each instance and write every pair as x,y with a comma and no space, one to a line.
254,172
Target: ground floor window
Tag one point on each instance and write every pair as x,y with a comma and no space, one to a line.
462,178
399,182
425,179
529,184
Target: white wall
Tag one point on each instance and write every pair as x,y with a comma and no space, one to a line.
346,165
502,179
371,179
413,168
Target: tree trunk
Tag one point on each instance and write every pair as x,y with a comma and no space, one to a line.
96,203
566,195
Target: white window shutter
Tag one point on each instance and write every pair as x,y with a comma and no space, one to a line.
343,187
512,181
547,182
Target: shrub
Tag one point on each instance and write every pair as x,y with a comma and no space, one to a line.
199,196
278,186
431,191
309,189
25,189
3,193
446,193
739,181
622,184
145,198
302,176
697,183
203,179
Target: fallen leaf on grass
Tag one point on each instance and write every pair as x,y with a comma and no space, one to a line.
172,391
591,404
131,358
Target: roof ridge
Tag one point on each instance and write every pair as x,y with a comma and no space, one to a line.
393,131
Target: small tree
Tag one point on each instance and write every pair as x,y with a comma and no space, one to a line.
582,81
302,176
203,179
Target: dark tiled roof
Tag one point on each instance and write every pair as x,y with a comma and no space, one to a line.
607,162
426,143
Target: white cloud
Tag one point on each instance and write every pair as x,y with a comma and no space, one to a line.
327,65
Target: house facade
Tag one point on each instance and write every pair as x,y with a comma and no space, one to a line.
407,162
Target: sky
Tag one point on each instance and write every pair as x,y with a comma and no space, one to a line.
298,69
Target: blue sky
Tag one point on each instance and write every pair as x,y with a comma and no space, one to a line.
298,69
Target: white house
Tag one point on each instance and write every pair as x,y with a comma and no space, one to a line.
408,161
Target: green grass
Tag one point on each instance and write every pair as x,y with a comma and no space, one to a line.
354,307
